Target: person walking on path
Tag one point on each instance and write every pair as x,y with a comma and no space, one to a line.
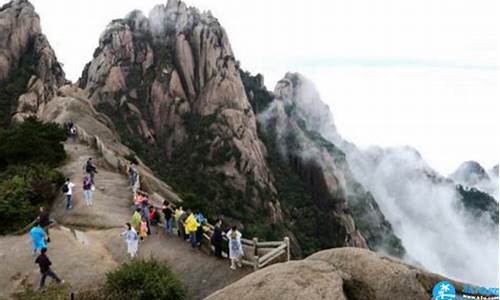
168,214
136,220
87,191
132,239
68,190
235,248
44,220
132,174
38,238
91,169
44,263
191,226
217,237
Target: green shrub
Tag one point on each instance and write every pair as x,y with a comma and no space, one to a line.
32,142
52,292
29,153
141,279
22,190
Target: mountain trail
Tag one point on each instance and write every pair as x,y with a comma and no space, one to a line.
86,242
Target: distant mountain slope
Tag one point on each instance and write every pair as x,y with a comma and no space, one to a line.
171,85
298,151
472,174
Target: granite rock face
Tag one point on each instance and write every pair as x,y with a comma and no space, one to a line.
29,71
342,273
173,82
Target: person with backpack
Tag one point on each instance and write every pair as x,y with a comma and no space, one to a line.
217,238
235,247
191,226
87,191
44,263
91,170
168,214
132,239
38,238
68,190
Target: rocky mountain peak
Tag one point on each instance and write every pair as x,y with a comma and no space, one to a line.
170,81
29,71
304,102
470,173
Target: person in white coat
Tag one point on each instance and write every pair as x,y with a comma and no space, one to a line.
235,247
132,240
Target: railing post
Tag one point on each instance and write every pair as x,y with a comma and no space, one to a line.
287,241
255,254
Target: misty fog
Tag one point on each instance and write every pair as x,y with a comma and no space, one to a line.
422,206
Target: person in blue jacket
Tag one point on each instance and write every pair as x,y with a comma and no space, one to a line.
38,238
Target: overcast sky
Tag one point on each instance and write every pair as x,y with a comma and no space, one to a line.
394,72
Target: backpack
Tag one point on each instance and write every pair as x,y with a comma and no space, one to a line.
88,168
65,188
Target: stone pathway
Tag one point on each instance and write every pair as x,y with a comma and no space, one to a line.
87,243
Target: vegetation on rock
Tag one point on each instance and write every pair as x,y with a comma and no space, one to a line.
29,153
138,280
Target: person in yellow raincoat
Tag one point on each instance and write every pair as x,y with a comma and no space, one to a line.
191,226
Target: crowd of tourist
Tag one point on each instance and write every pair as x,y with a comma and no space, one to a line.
189,224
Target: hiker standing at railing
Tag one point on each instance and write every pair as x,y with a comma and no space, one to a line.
200,218
235,247
180,216
168,214
217,237
191,226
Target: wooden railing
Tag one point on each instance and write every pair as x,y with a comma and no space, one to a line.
256,254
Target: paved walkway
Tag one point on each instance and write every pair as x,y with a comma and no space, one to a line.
88,244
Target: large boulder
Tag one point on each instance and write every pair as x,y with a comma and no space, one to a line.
341,273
